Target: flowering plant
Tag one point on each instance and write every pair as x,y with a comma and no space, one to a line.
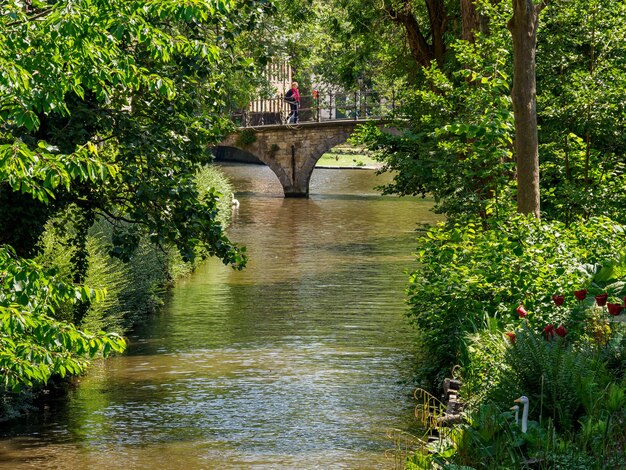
601,299
615,309
580,294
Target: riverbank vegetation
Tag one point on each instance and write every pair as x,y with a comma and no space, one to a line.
108,111
525,308
517,302
121,294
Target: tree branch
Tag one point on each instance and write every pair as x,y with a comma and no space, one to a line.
540,6
437,18
110,216
420,49
31,18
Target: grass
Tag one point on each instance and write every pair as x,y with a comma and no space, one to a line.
347,157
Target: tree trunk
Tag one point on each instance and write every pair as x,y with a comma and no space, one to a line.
437,17
421,51
470,20
523,27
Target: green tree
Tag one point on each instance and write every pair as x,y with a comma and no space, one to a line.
523,26
459,147
581,75
132,83
107,108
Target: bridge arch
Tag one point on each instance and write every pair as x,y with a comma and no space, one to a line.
278,170
291,151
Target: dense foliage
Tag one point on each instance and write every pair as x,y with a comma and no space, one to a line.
581,78
33,344
458,149
134,288
526,308
470,279
107,110
121,92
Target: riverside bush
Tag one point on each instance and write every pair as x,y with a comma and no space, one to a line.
133,290
470,279
520,308
35,346
577,405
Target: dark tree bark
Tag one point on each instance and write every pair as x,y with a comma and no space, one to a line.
470,20
428,47
422,51
437,17
523,28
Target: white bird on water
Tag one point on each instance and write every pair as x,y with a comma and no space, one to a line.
524,401
234,202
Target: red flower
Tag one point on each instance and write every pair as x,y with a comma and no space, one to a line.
615,309
580,294
511,336
561,331
601,299
558,300
521,311
549,332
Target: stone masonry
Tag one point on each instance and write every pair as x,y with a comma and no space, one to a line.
292,151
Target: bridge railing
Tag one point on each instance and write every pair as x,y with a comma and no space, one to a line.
320,107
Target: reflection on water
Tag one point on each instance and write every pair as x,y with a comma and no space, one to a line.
303,360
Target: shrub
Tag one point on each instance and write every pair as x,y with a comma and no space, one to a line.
134,289
577,406
561,378
211,181
34,346
470,279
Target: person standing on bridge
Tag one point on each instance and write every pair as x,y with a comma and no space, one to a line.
293,98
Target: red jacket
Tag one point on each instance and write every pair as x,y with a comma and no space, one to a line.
293,95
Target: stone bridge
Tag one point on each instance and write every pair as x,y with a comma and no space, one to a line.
292,151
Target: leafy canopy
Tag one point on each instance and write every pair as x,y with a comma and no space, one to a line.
107,108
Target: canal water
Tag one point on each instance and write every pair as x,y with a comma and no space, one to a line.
304,360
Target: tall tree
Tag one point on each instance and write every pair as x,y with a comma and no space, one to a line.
422,50
108,106
523,26
581,77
